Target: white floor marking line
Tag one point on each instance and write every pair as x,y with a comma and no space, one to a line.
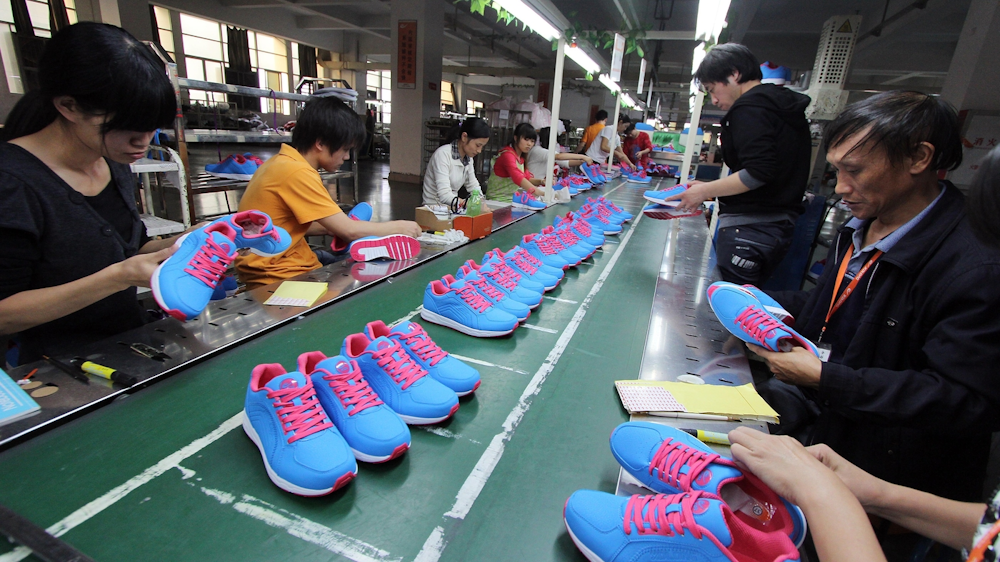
557,299
98,505
407,317
301,528
487,364
474,483
540,329
440,431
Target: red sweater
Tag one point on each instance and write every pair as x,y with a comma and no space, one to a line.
507,166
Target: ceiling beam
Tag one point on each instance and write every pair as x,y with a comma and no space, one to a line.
901,20
328,23
748,12
670,35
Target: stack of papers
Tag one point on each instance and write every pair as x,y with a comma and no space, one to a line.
297,293
704,401
14,402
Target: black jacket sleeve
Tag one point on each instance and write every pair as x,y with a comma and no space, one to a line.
755,140
958,390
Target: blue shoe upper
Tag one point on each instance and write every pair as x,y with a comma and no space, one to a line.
745,317
519,253
493,294
368,425
506,285
445,369
254,230
232,166
361,212
553,259
401,383
301,446
522,280
185,282
678,528
525,268
463,304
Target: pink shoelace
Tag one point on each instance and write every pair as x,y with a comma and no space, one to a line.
556,243
500,278
524,264
674,455
546,245
594,215
484,287
473,298
420,343
360,394
510,272
657,520
526,255
304,418
205,267
759,324
395,362
566,236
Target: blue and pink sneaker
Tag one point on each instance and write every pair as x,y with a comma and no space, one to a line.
659,197
303,452
547,246
571,241
373,431
504,283
670,461
745,317
255,232
491,293
184,283
393,247
234,167
599,222
581,228
445,369
771,305
532,269
668,528
460,307
500,267
592,174
400,382
613,212
361,212
525,200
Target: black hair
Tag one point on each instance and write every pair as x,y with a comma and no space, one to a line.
723,60
474,127
524,131
106,71
630,128
983,203
624,118
543,137
600,115
897,122
329,121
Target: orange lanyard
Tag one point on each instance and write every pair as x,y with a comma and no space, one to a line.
836,303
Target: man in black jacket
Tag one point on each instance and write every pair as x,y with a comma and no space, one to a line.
907,305
765,142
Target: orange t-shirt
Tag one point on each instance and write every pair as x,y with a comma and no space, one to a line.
590,133
291,192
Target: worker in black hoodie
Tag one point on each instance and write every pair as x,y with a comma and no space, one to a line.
765,142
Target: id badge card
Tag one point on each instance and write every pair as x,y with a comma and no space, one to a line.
824,350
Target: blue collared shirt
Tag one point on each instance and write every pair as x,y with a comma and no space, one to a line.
860,256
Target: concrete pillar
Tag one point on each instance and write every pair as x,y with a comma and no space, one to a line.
974,73
411,108
106,11
135,18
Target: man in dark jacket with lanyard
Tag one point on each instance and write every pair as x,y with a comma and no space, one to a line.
765,141
907,307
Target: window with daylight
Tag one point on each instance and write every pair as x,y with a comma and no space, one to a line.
472,107
269,55
165,30
447,96
380,95
205,55
11,69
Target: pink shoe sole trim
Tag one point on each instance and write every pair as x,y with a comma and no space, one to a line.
395,246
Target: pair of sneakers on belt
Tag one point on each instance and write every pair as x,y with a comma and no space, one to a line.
185,282
392,246
312,425
754,317
699,495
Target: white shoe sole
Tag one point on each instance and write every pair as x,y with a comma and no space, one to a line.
672,203
528,207
243,177
586,551
277,480
448,322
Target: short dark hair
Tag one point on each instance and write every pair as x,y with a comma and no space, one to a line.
983,203
107,72
897,122
723,60
329,121
474,127
600,115
624,118
524,131
630,128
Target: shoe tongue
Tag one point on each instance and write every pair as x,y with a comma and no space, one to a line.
294,379
710,514
337,365
378,344
224,241
405,328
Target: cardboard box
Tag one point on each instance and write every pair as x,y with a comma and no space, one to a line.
476,227
429,221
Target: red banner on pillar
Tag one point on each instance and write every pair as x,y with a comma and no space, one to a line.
406,55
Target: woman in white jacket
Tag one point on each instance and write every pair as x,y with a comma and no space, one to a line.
450,168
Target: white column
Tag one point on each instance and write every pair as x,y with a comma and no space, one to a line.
614,125
554,124
689,142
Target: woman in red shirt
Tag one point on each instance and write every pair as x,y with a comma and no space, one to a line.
638,146
509,174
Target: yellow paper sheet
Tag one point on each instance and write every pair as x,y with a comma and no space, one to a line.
741,402
297,293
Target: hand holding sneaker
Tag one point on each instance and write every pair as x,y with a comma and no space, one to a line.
798,366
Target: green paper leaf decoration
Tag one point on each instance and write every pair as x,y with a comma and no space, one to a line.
590,77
